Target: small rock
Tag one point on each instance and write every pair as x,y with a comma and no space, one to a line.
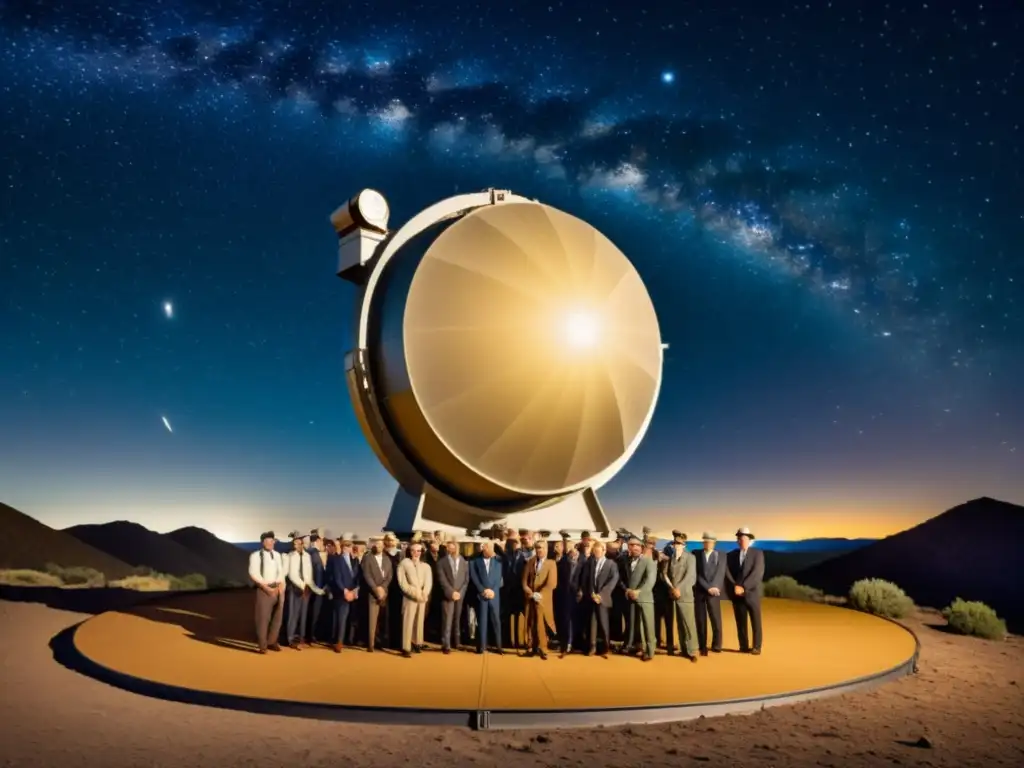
542,739
923,743
672,751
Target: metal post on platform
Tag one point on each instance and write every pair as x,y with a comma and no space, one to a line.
481,720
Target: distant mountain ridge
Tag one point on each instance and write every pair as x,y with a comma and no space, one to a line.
165,553
29,544
971,551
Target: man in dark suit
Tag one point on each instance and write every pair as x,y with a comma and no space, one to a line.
707,595
394,553
597,584
452,576
743,576
317,559
570,566
486,574
343,579
378,575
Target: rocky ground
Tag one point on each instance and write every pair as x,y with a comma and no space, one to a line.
964,708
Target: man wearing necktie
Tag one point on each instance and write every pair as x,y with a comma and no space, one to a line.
707,595
453,578
300,585
597,584
680,576
540,577
640,575
743,575
486,575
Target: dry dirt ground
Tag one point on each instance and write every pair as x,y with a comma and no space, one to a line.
964,708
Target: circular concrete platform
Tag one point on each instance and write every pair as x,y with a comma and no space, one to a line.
199,648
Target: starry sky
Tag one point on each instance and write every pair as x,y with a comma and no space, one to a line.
824,201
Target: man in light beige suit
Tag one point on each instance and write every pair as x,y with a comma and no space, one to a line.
416,580
540,577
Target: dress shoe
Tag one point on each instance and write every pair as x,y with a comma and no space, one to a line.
604,655
406,654
479,651
716,650
336,647
693,659
704,652
647,658
446,651
543,656
417,649
295,646
261,651
274,647
756,652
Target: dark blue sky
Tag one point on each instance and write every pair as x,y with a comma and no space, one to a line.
823,202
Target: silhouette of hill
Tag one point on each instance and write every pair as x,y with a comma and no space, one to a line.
970,551
143,548
30,544
229,559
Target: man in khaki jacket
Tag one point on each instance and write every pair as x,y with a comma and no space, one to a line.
416,580
540,577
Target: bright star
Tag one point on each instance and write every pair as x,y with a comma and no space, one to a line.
168,309
167,424
668,77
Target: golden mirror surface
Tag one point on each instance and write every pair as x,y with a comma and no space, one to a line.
532,347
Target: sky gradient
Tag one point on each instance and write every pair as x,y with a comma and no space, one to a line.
823,203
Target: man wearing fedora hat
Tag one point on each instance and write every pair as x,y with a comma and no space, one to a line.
640,574
743,576
707,594
680,575
378,575
267,572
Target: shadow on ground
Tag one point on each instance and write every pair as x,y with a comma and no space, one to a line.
92,600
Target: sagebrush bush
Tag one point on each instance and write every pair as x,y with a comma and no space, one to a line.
880,597
191,581
969,617
22,577
77,576
791,589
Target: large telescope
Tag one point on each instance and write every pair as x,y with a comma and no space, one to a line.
506,364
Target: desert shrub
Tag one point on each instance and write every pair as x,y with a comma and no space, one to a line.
970,617
147,583
191,581
22,577
790,588
77,576
880,597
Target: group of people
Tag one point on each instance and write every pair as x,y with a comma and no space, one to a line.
518,591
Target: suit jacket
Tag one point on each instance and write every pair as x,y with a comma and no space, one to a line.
569,573
449,581
543,581
711,573
607,580
484,578
375,576
750,575
319,568
342,575
415,579
681,574
642,578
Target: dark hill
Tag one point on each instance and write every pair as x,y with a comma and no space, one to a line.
143,548
231,563
971,551
30,544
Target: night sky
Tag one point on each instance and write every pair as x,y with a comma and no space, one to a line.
825,203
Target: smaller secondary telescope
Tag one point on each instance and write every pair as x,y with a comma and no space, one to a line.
507,360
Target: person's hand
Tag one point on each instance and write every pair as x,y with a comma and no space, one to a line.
579,595
714,591
380,592
536,597
280,588
597,598
456,596
269,591
739,590
488,594
631,594
675,593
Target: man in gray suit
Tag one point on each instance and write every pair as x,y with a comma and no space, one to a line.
378,574
680,576
453,576
640,573
743,575
707,595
